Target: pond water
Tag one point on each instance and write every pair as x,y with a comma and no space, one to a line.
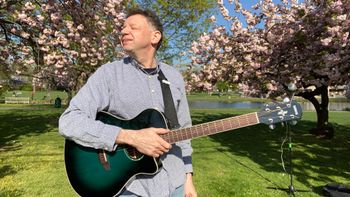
307,106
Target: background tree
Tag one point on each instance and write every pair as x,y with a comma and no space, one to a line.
306,44
183,22
347,94
59,42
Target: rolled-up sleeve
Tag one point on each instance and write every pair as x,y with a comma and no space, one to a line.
78,122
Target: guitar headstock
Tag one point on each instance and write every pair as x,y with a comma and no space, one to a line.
273,113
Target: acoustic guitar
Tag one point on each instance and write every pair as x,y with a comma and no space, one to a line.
94,172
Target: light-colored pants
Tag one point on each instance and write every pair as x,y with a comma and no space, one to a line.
179,192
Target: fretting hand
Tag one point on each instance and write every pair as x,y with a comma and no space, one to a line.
146,141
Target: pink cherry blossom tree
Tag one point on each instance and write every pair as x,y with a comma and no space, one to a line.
59,42
277,44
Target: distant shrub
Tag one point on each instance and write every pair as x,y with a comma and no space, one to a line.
27,87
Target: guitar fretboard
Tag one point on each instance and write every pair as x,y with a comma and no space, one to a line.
211,128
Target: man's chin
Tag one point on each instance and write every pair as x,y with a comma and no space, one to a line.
129,52
127,49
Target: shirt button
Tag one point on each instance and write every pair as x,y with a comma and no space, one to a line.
152,91
149,77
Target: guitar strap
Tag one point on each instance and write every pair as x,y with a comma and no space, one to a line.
169,108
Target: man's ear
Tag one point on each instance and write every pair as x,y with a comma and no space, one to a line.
156,37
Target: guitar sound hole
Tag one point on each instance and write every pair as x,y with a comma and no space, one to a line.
133,154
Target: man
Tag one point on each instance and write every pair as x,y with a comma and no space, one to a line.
125,88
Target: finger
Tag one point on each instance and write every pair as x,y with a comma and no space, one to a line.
167,146
157,153
161,130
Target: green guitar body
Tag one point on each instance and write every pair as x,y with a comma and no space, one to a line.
94,172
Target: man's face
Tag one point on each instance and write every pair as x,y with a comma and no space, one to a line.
138,34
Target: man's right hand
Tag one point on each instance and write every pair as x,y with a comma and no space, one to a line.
146,141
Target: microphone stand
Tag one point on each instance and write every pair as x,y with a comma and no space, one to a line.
292,88
291,187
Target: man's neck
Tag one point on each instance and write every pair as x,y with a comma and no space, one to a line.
146,61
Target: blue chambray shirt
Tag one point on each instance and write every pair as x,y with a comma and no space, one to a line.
122,89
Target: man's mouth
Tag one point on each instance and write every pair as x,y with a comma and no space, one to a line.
126,41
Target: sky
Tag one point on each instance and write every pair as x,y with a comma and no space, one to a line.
246,4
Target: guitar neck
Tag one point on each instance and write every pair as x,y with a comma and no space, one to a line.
211,128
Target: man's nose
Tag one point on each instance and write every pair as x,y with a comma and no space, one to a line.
125,30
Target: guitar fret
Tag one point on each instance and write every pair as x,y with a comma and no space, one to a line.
245,120
176,136
207,128
230,121
188,133
195,129
182,137
179,136
249,119
235,122
226,125
200,130
204,129
171,136
223,125
213,127
216,126
253,118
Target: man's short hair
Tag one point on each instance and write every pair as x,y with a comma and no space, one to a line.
151,18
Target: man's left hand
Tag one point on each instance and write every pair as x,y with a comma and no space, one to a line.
190,191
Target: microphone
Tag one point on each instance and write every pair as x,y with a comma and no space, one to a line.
292,87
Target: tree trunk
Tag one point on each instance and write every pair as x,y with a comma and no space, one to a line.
323,128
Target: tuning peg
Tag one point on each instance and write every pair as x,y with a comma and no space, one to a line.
286,100
272,126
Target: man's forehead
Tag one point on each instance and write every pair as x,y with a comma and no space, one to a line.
136,19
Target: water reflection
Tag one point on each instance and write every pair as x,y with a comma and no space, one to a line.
307,106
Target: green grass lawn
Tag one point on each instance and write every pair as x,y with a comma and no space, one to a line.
245,162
